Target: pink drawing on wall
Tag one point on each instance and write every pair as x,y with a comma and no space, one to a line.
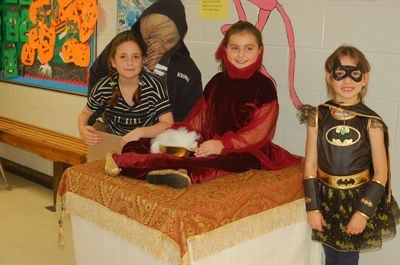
265,8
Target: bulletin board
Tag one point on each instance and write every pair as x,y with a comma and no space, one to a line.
48,43
129,12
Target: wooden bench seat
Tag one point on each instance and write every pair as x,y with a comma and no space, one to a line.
62,149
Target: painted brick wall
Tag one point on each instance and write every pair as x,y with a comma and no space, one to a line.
319,25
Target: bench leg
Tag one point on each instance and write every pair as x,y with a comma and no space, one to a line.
58,171
3,175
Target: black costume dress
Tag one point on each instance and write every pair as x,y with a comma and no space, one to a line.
344,149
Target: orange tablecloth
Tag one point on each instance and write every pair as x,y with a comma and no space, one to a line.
184,213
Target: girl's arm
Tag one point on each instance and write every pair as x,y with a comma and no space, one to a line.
164,122
379,158
258,132
95,102
311,161
314,216
88,133
377,185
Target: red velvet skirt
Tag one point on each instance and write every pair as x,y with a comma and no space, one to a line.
136,161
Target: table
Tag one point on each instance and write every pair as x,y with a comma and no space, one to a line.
255,217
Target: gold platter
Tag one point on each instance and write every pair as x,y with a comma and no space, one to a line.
176,150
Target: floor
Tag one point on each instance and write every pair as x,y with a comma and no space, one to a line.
28,231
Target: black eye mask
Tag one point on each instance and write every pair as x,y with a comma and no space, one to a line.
340,72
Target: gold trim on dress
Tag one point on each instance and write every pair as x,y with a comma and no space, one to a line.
310,177
352,112
344,182
377,181
314,211
364,215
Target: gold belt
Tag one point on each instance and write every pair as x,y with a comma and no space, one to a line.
344,182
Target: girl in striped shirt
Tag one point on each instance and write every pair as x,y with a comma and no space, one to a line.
135,104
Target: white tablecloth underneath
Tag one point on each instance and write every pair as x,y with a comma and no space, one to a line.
288,245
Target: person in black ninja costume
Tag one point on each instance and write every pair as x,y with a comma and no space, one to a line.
162,27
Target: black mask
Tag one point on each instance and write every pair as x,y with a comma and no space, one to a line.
340,72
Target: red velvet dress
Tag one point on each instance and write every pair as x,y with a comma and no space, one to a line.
242,113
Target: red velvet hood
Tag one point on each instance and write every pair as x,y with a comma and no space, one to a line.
234,72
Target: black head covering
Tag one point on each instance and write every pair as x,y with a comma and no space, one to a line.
173,9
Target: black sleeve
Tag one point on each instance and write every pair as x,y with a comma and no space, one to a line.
184,86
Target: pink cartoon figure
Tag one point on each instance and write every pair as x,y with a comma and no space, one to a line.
265,8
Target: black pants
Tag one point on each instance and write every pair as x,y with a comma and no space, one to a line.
335,257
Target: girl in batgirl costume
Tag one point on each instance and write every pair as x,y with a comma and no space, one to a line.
347,177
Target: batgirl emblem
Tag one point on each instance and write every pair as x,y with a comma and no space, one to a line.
342,135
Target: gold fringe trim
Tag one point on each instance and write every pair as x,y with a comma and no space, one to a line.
151,240
242,230
200,246
61,212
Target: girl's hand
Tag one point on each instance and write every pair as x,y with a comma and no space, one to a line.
90,135
133,135
210,147
316,220
357,224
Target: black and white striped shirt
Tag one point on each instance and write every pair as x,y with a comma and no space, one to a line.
122,118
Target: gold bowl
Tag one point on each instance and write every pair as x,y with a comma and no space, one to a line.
176,150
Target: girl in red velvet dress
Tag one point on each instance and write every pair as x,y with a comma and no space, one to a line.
236,118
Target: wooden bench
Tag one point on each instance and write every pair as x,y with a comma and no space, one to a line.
62,149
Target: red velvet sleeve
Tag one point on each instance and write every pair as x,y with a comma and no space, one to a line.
194,120
258,132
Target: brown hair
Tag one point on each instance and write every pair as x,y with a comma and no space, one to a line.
121,38
243,26
358,57
240,27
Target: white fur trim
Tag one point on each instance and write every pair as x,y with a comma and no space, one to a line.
175,137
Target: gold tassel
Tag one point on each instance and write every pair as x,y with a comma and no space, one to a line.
60,235
60,239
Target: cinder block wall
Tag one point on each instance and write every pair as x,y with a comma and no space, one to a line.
319,26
